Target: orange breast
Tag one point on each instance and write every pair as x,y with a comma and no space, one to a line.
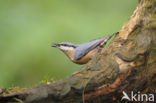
86,58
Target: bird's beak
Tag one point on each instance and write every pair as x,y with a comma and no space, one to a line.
55,45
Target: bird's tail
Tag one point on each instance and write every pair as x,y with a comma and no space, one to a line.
109,36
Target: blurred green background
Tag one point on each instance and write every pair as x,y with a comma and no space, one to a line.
28,27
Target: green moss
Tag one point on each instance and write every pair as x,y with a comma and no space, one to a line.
13,90
18,100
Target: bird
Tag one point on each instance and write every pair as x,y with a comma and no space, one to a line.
82,53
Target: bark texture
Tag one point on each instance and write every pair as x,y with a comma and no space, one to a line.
127,64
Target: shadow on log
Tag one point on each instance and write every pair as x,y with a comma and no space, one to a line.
127,64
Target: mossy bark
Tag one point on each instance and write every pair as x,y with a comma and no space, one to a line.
127,64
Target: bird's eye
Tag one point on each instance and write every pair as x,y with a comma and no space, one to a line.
64,45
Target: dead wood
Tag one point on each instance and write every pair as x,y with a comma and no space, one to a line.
127,64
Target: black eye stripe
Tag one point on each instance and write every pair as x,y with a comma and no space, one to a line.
65,45
68,45
62,44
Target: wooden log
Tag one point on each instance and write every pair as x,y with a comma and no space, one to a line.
127,64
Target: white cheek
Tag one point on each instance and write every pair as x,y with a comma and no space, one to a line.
66,48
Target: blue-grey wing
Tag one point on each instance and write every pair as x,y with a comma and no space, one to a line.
83,49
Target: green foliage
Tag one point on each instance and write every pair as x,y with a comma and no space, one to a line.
28,27
47,80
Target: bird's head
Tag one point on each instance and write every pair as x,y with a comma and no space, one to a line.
66,47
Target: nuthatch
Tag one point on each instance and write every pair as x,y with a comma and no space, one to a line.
82,53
